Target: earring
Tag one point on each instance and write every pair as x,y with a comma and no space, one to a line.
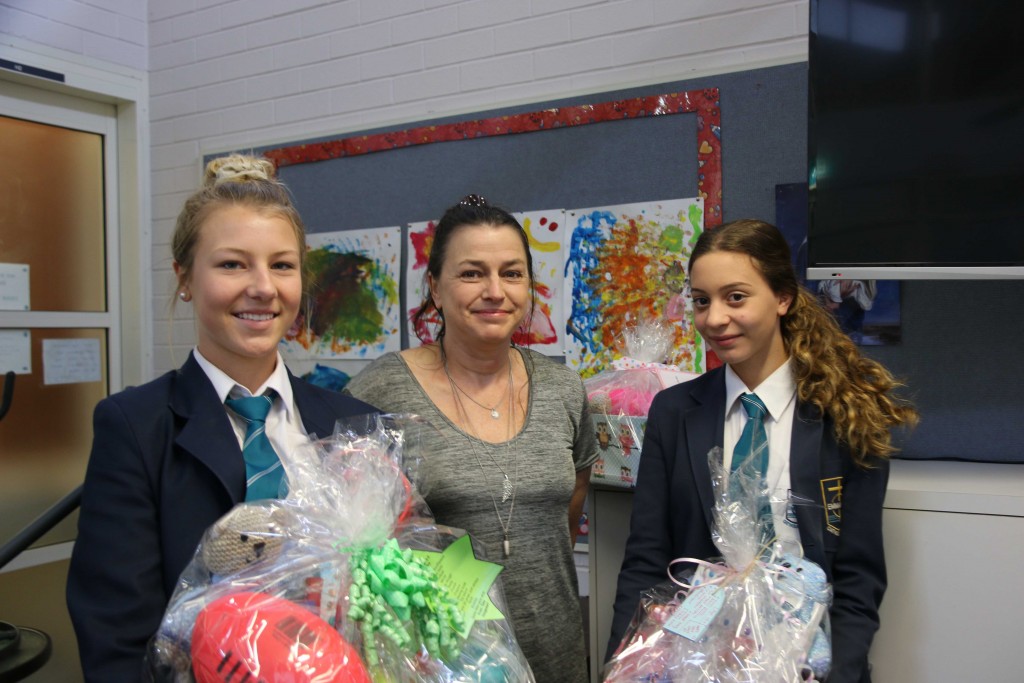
183,296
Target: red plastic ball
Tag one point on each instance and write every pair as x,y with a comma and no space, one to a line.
257,638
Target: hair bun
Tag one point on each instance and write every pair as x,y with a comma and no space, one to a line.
237,168
473,200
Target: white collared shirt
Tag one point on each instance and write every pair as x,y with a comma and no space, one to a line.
778,393
284,424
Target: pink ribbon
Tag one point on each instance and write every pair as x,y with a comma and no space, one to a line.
729,573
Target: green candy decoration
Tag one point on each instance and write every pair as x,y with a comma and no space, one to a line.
391,588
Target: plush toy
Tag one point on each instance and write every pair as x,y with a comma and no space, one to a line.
247,536
244,536
807,594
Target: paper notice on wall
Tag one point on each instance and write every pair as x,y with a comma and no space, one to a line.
70,361
16,351
14,287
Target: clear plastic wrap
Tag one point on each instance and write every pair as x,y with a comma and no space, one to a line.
348,579
758,613
620,398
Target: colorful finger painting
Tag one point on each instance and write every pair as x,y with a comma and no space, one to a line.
353,308
627,263
418,243
544,333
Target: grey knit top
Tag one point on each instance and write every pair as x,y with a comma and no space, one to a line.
462,474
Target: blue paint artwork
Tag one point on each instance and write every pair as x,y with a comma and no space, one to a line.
584,318
327,378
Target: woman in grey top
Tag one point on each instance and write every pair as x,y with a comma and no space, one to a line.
509,458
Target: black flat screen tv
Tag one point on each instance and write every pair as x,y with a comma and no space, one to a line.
916,139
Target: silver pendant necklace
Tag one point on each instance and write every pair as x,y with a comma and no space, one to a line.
508,486
495,415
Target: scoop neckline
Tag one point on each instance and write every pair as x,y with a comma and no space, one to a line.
433,406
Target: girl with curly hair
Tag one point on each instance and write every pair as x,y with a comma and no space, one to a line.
829,412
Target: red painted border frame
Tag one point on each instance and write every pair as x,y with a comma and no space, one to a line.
702,102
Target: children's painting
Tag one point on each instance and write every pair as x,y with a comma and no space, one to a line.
627,264
544,333
353,309
867,310
419,241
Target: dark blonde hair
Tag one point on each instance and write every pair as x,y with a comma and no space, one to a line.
829,370
234,180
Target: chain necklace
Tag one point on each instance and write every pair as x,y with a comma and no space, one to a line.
508,487
494,410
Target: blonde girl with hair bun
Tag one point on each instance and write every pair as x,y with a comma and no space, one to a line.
167,457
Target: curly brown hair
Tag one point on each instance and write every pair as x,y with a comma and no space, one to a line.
856,392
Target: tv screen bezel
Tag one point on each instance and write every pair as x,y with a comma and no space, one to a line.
968,270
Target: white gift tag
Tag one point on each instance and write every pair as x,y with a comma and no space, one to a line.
697,611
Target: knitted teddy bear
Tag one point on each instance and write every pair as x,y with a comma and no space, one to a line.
244,536
248,536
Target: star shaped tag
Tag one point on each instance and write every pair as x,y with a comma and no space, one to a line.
466,578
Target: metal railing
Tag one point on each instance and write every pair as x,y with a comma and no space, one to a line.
53,516
36,529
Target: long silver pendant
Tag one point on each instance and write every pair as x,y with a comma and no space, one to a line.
506,489
495,414
506,546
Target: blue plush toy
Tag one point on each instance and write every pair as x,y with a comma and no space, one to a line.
805,587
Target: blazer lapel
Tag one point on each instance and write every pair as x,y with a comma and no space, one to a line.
704,425
318,417
805,478
206,434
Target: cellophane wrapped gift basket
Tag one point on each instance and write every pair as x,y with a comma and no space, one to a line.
348,579
620,398
758,614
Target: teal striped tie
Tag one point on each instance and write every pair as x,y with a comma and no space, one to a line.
754,439
752,447
263,470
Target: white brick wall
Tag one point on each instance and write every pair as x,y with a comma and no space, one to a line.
235,74
108,30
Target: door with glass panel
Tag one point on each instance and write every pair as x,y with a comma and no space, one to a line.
59,332
58,294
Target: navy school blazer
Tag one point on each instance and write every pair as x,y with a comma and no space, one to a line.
165,465
673,501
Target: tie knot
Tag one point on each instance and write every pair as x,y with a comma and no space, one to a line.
753,405
252,408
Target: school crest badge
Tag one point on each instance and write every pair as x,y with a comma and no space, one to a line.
832,499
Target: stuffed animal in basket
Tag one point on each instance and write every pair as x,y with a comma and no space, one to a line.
247,536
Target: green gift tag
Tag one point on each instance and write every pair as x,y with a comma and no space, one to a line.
466,579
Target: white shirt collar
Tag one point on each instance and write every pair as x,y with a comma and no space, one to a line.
226,387
776,391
